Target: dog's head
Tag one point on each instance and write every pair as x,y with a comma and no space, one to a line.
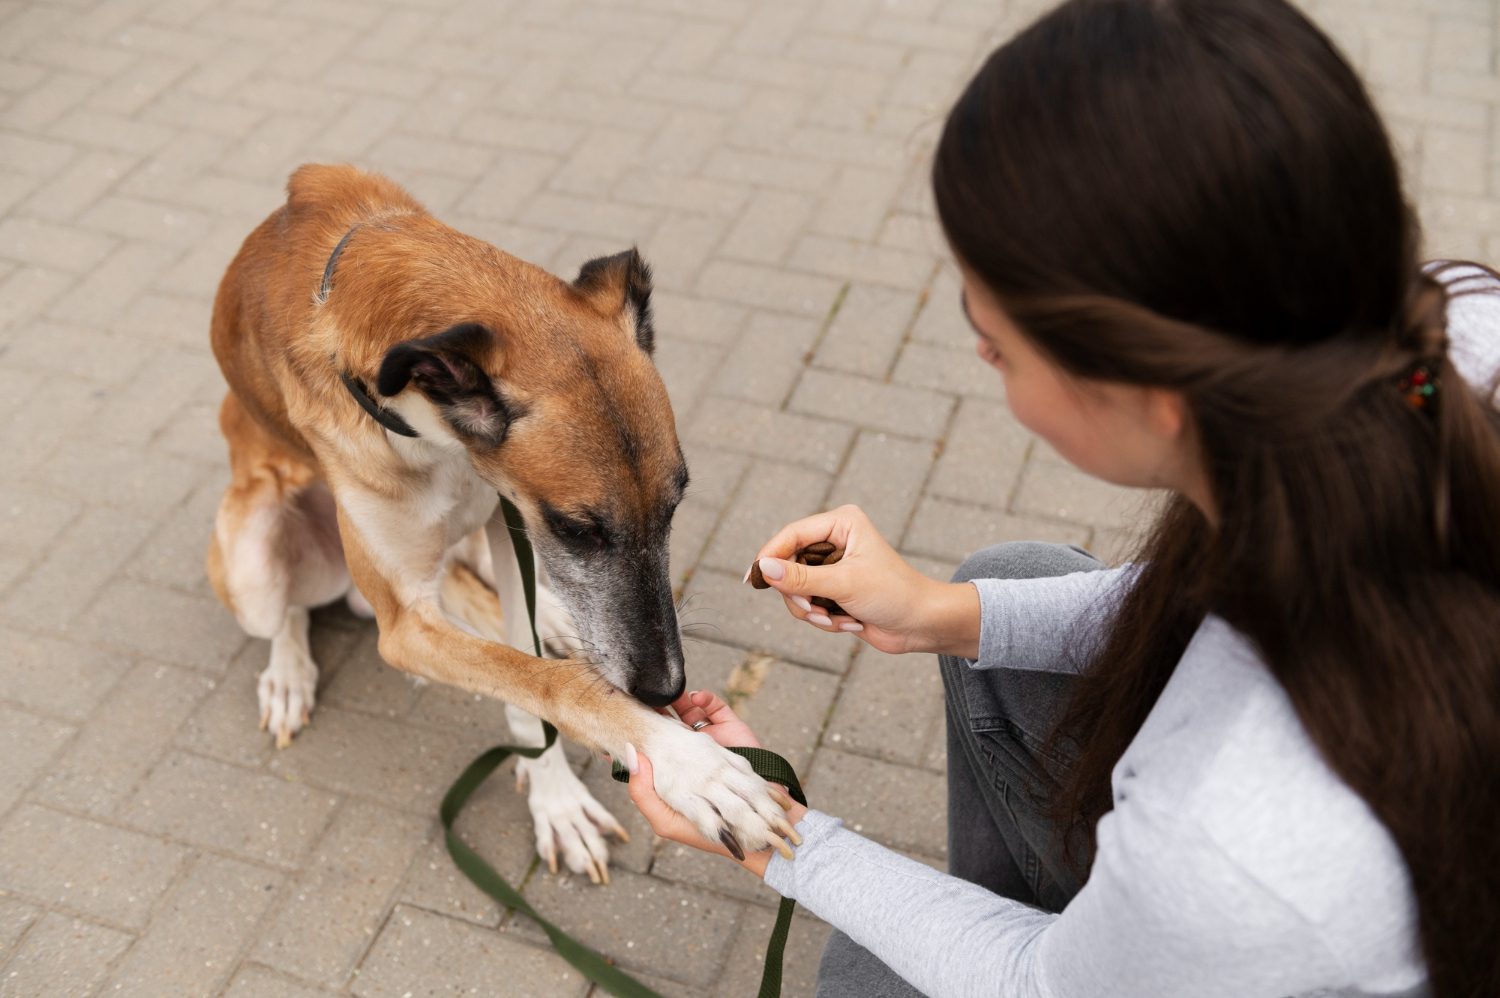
553,392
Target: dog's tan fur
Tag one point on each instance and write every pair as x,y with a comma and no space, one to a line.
405,512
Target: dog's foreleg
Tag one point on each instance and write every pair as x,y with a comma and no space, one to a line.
567,818
712,787
288,685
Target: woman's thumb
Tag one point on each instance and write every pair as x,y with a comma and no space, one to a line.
796,579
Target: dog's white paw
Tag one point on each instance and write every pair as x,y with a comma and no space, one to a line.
570,823
287,691
715,789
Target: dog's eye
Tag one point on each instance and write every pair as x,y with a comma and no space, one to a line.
581,534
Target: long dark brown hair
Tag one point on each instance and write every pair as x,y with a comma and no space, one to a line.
1198,194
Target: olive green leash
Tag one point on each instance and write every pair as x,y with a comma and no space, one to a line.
597,968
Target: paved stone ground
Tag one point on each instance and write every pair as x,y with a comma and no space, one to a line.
770,159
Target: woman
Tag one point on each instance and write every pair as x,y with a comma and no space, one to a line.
1265,759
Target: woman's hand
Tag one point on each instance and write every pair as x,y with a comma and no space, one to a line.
890,604
724,727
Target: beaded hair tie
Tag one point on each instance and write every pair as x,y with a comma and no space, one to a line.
1419,386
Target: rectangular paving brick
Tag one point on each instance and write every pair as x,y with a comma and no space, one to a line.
696,318
63,956
15,918
799,966
867,331
766,359
47,244
224,725
223,807
403,766
984,449
141,483
109,873
497,824
191,631
686,367
890,707
255,981
854,260
770,496
941,320
57,677
83,181
884,476
857,203
897,806
337,902
453,957
641,922
114,284
773,288
195,938
757,620
1051,487
79,563
946,529
769,225
894,408
124,738
715,474
32,518
765,432
27,743
955,371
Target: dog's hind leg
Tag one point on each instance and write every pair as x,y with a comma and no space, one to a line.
274,554
570,824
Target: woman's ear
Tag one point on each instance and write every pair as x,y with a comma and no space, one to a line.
448,368
1165,411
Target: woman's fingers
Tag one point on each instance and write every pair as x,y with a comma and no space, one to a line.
830,526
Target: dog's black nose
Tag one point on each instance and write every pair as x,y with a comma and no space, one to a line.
654,697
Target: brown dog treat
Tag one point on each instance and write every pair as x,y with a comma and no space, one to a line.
829,605
814,555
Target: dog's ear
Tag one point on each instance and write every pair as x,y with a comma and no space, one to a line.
446,368
618,282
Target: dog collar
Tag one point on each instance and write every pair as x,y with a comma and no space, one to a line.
385,417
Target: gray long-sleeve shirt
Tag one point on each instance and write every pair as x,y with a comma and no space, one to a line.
1234,861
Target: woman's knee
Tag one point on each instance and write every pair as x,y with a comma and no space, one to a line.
1025,560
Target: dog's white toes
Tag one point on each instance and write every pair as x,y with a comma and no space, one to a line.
570,823
715,789
287,692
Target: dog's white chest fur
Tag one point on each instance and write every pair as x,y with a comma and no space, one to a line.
445,503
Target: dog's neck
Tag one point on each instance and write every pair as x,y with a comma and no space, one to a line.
385,417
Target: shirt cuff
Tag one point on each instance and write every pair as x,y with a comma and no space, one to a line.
815,828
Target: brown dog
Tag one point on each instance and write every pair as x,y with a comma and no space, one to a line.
387,377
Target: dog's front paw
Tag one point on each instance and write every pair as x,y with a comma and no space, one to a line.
568,819
287,691
715,789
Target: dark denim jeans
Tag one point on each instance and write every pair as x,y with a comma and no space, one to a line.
1000,775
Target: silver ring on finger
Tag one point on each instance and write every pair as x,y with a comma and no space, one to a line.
699,725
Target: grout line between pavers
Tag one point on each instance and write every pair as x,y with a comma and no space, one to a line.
833,311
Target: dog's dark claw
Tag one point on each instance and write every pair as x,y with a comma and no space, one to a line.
732,844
